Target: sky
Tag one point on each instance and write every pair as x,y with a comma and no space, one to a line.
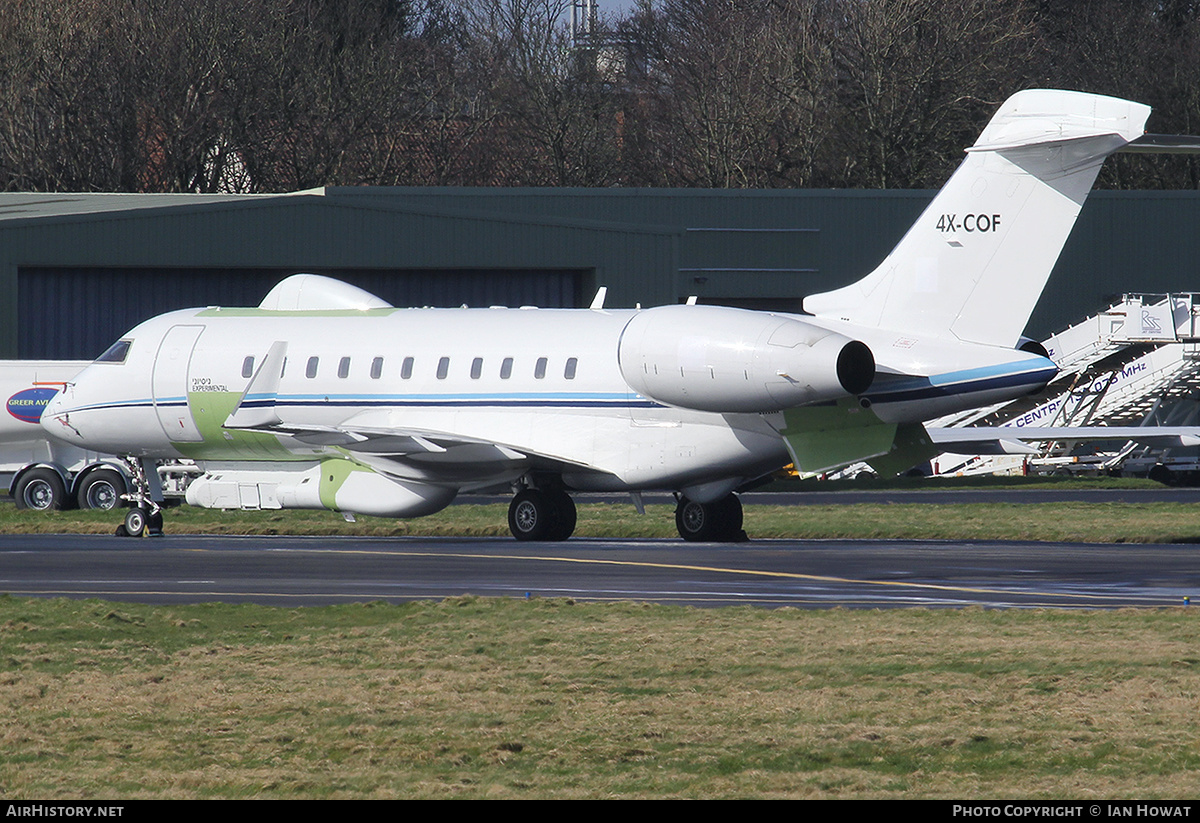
615,6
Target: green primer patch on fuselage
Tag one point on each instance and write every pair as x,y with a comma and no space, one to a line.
210,410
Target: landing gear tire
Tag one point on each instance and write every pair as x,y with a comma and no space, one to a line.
140,522
719,521
535,514
564,515
101,490
41,490
135,522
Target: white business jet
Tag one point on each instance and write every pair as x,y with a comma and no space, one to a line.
325,396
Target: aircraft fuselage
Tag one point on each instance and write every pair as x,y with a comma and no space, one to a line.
475,398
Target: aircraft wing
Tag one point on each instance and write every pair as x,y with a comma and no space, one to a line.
354,437
363,438
374,439
372,436
1013,440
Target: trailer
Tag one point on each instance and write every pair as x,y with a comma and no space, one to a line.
41,474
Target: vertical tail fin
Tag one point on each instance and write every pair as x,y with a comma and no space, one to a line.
974,264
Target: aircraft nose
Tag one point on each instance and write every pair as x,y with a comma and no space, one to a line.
56,419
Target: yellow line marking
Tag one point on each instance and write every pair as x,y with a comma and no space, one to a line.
726,570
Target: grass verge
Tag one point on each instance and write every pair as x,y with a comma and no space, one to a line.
483,698
1073,522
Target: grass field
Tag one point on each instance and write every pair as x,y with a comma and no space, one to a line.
545,698
479,698
1083,522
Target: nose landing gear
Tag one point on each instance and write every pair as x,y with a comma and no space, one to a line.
144,517
142,521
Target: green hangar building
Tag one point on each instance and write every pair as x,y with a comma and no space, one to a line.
78,270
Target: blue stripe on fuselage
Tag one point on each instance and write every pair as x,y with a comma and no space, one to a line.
508,400
886,390
968,381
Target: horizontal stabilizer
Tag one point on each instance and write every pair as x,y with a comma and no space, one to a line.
1010,439
1163,144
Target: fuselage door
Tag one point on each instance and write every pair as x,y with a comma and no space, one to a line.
171,384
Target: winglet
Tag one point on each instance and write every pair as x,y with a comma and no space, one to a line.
257,408
598,300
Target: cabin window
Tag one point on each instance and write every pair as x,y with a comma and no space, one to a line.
248,367
443,368
311,369
406,368
539,368
377,368
344,368
569,371
506,368
476,368
116,352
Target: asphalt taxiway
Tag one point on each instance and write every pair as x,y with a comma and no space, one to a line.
771,573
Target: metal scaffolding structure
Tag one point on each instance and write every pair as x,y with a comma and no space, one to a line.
1117,367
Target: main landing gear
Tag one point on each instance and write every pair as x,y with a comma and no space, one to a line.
541,514
549,514
719,521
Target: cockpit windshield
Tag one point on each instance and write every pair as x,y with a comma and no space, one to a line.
116,352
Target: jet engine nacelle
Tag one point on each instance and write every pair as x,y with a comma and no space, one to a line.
718,359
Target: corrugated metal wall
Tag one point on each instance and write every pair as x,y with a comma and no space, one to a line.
741,246
61,294
76,313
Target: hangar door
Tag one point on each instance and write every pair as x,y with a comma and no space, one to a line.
76,313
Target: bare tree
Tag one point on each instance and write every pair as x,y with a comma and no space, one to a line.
915,79
275,95
446,135
66,118
737,93
320,78
555,109
1142,50
185,64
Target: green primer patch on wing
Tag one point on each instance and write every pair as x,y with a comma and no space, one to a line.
210,410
